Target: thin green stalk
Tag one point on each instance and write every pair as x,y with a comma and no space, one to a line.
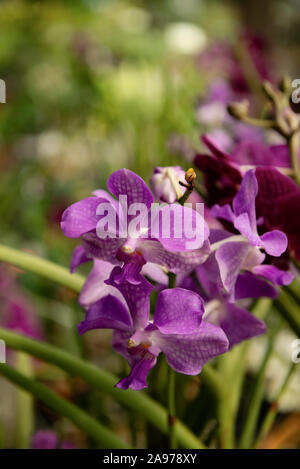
289,310
257,396
273,409
138,401
171,408
24,405
231,372
213,380
42,267
105,437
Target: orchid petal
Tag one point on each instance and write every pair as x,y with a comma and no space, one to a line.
106,313
187,353
178,311
126,182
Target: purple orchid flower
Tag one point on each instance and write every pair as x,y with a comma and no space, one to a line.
243,218
278,201
177,329
243,253
172,252
237,323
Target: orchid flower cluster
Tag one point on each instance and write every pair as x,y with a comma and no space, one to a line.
200,309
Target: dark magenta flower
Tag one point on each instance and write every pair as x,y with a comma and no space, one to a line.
278,202
223,172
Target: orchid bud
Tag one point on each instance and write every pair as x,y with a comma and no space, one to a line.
239,110
165,183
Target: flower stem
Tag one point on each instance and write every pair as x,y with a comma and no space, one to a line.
273,409
171,408
190,177
105,437
232,370
289,310
138,401
257,396
24,405
42,267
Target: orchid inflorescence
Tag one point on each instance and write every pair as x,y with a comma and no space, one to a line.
203,316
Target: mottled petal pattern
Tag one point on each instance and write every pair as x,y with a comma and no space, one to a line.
187,353
137,296
178,311
125,182
80,217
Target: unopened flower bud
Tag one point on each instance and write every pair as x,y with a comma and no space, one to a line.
285,84
239,110
190,176
165,183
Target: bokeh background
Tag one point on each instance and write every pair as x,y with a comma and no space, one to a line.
92,86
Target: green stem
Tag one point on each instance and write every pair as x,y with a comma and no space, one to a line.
105,437
172,280
183,199
232,370
24,405
213,380
42,267
171,408
138,401
273,409
257,396
289,310
263,123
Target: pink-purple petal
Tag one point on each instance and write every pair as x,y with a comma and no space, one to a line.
244,201
107,313
80,217
126,182
178,311
238,324
177,262
137,379
94,287
230,257
79,257
274,242
136,295
187,353
249,285
275,275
